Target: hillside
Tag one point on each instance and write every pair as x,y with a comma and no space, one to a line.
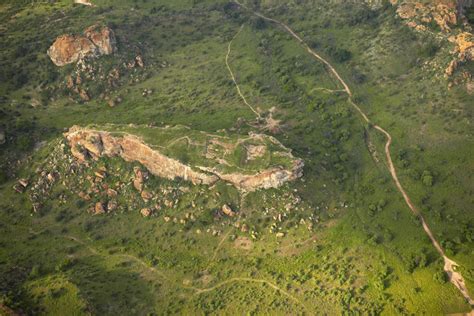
253,157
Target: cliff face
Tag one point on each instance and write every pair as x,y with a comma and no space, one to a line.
95,42
87,143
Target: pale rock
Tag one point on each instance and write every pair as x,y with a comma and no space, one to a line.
99,208
146,212
227,210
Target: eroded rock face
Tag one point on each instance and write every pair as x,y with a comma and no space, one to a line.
91,144
95,42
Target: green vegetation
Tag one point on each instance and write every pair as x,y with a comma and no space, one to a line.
339,241
226,152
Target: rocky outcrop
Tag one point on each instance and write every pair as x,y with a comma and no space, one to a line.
96,41
87,144
464,43
441,12
447,15
270,178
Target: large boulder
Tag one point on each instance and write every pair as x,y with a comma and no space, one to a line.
96,41
103,38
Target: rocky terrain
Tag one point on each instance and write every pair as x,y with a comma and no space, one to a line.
138,174
445,21
96,41
86,143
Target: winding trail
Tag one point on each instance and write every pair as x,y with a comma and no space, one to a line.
251,280
233,76
119,255
214,255
450,266
197,290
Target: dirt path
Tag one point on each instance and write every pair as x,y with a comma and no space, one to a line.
119,255
233,76
196,289
450,266
261,281
326,90
214,255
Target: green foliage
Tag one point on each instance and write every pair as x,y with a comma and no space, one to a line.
428,49
440,277
427,178
470,14
339,54
367,239
258,23
65,264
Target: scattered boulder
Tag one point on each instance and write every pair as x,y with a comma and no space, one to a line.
52,177
146,196
84,95
136,62
100,174
111,193
139,179
112,205
99,208
103,38
85,196
19,188
96,41
146,212
227,210
147,92
139,61
23,182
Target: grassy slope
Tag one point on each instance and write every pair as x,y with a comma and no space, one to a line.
361,256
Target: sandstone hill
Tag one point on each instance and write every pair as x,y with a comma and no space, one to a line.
96,41
248,163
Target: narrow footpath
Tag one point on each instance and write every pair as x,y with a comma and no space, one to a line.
450,266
